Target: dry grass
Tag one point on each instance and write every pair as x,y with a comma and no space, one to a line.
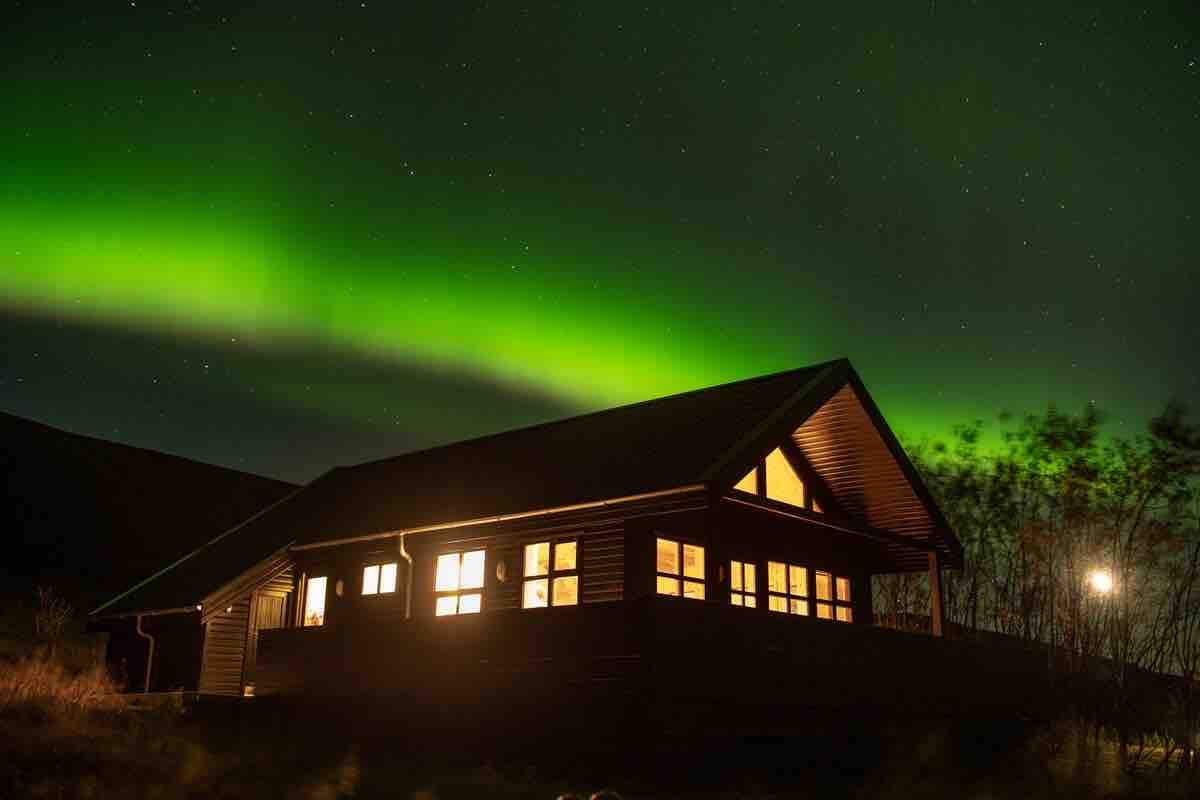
44,687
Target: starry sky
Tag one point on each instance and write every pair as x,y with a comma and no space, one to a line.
296,235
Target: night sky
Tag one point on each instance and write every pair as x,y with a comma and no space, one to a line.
307,234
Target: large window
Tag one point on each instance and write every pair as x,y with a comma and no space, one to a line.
551,574
833,597
314,601
783,484
787,588
459,583
680,569
742,586
379,578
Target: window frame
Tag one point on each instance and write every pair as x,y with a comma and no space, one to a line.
308,581
552,572
742,593
834,603
805,600
362,590
679,577
460,590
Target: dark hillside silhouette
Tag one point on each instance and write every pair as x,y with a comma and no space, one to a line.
92,517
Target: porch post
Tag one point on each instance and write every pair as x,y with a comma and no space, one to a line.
936,609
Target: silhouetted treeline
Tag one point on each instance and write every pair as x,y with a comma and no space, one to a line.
1085,545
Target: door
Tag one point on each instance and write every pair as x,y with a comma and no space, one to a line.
266,612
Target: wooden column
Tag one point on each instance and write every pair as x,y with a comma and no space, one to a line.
936,609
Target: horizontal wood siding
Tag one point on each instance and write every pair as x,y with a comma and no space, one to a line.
602,566
225,650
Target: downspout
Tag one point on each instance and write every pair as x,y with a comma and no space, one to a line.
408,583
149,656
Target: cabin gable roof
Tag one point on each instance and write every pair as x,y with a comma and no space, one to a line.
707,437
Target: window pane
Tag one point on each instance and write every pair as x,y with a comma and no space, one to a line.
798,607
668,556
668,585
776,577
564,556
844,614
314,602
693,561
735,575
750,601
797,581
446,605
735,599
777,603
817,507
824,589
843,589
824,611
370,579
447,573
749,483
748,572
537,559
387,578
534,594
566,591
472,571
782,482
470,603
693,590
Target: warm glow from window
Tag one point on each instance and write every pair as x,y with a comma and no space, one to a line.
379,578
669,555
817,507
782,482
314,601
843,590
560,586
537,559
787,585
824,611
824,586
845,614
456,571
749,483
742,584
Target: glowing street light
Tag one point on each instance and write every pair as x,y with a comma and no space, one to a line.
1101,581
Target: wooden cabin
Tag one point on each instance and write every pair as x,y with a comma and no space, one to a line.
709,549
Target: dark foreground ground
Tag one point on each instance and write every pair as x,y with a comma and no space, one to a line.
268,750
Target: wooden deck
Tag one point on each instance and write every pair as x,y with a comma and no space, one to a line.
669,663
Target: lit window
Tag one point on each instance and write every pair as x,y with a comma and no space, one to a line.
787,588
782,482
674,561
314,601
379,578
457,574
742,584
749,483
817,507
550,583
833,597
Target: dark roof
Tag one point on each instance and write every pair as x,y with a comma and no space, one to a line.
698,437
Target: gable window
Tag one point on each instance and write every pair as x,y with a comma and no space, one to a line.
551,574
680,568
749,483
783,484
314,601
787,588
459,583
379,578
742,586
833,597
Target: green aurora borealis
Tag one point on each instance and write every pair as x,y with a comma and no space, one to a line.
573,207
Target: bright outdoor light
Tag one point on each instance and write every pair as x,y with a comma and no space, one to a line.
1101,581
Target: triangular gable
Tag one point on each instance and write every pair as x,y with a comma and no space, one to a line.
838,432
